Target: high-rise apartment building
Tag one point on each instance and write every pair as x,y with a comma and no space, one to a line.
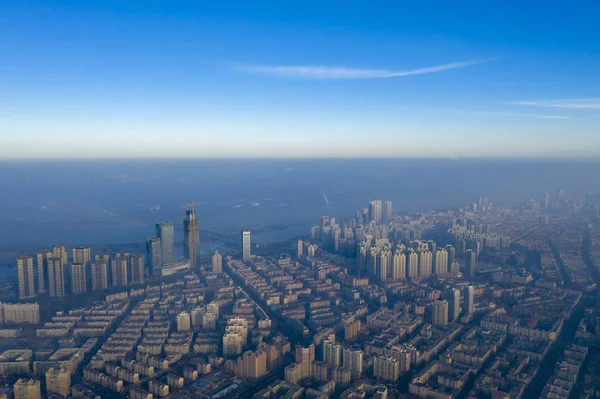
399,265
58,381
252,365
441,261
470,263
305,356
232,344
25,277
245,235
42,270
469,296
99,276
386,368
300,248
353,361
184,322
56,277
425,263
217,262
166,233
439,312
118,268
451,251
387,210
27,389
59,251
383,266
78,278
375,210
154,257
332,351
413,264
136,268
191,237
293,373
82,255
454,304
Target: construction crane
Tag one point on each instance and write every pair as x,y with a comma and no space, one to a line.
190,205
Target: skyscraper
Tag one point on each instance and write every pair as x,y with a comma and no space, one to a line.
441,261
154,257
375,210
470,260
164,231
413,264
332,352
136,268
78,278
353,361
99,275
56,277
399,265
252,365
454,304
383,265
59,251
184,322
232,344
469,299
82,255
387,210
245,245
42,270
191,237
439,312
217,262
25,277
386,368
300,248
305,357
451,256
425,263
118,267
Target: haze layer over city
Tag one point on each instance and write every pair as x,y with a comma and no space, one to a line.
299,200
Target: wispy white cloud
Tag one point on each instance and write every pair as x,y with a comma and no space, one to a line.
573,103
325,72
524,114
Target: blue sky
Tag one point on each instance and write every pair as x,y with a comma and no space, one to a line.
292,79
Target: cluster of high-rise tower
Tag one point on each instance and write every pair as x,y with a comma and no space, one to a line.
57,272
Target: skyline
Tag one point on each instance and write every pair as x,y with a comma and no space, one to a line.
183,80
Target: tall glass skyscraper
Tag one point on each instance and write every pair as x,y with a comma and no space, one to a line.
164,231
191,237
154,257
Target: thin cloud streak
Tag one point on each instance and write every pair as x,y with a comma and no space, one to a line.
529,115
324,72
573,103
